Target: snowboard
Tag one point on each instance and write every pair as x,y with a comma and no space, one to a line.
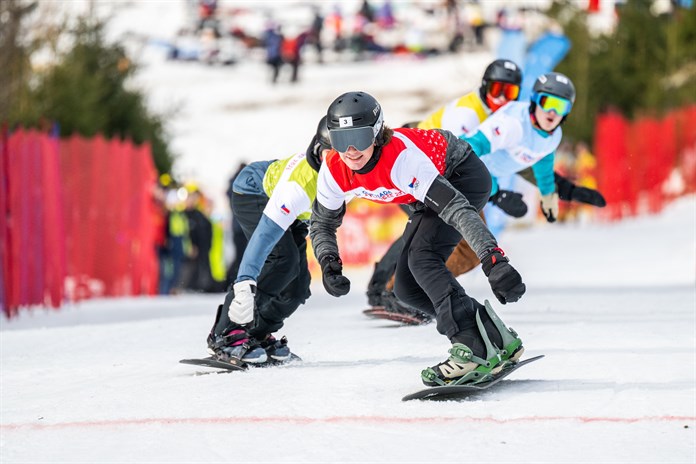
210,361
378,312
215,363
460,391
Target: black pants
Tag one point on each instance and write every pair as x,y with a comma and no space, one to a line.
422,279
283,284
384,269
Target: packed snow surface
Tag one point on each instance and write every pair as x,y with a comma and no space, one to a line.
610,305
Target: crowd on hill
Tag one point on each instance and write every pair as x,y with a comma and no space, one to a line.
321,33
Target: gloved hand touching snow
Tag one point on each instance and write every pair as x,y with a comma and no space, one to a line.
242,306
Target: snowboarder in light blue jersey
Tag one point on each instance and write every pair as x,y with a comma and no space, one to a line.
527,134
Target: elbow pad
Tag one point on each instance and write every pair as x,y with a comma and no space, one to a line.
439,194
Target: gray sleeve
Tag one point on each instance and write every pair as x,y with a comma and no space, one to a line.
458,151
322,229
455,210
453,207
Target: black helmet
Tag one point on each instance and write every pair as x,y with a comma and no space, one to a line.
502,71
354,119
555,84
319,142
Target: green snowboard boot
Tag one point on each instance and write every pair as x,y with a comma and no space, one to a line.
512,344
463,367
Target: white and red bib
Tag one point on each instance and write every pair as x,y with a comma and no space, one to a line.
409,164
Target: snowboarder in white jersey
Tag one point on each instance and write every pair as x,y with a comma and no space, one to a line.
447,185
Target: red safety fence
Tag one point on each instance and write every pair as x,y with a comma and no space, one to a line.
77,219
645,163
32,228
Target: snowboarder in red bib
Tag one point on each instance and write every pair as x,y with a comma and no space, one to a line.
446,185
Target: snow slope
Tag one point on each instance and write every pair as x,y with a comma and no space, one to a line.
611,307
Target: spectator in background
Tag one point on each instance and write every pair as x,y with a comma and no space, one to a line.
454,25
475,17
385,15
335,22
366,11
178,245
584,173
292,53
362,40
207,14
273,43
201,236
452,8
585,166
314,37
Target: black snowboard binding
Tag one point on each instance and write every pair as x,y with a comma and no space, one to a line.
228,340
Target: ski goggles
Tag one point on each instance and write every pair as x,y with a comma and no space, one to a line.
548,102
510,91
358,137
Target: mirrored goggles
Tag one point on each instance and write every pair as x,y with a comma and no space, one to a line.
358,137
548,102
510,91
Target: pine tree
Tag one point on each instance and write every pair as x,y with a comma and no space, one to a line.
646,65
86,93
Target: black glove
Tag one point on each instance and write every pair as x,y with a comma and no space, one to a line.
510,202
505,281
568,191
589,196
334,281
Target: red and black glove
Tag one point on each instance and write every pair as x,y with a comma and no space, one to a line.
505,281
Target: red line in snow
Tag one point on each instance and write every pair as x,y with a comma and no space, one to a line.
335,419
